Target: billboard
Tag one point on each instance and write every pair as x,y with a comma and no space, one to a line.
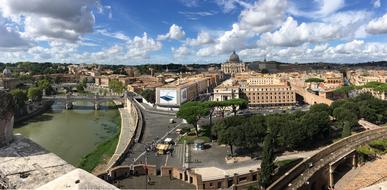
168,97
183,95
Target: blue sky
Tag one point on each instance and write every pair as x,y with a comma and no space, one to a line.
192,31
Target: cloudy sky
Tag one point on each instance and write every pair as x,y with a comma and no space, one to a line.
192,31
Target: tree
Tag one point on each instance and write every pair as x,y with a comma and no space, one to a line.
346,129
345,90
34,94
116,86
317,108
235,103
149,95
192,112
368,113
231,136
315,124
45,85
337,104
317,80
82,85
267,164
343,114
294,135
20,97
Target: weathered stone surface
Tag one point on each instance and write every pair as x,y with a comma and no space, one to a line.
7,110
26,165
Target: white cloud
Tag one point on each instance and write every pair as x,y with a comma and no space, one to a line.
190,3
328,7
378,25
323,8
66,20
263,16
11,39
139,47
181,51
229,5
227,42
377,4
175,32
341,25
292,34
117,35
203,38
196,15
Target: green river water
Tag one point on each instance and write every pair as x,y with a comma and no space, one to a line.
71,134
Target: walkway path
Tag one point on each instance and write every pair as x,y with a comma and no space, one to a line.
128,128
366,175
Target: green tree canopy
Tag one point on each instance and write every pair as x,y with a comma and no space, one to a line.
149,95
267,164
317,80
318,108
116,86
34,94
192,112
20,97
45,85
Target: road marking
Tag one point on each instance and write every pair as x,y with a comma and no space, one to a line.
162,138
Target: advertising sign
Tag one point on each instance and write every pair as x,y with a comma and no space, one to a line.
168,97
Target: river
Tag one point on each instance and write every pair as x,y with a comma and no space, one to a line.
71,134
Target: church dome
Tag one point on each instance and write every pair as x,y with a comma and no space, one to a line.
7,72
234,58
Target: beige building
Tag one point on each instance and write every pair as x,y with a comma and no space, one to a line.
233,65
268,92
174,94
263,90
229,89
103,81
361,77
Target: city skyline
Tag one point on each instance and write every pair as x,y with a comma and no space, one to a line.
192,31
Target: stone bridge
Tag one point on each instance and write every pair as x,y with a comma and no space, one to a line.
69,99
309,98
318,171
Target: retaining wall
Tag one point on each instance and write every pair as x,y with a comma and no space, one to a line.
130,121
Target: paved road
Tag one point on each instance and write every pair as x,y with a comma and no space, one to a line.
156,128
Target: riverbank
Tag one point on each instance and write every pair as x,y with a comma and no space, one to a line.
46,105
100,156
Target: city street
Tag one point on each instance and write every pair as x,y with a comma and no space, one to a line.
157,127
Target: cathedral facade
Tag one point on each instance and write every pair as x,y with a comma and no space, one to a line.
233,65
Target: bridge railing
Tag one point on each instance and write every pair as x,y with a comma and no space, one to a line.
82,97
353,140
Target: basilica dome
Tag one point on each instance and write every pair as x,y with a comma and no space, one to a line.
234,58
7,72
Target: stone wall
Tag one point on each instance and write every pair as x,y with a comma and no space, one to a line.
7,111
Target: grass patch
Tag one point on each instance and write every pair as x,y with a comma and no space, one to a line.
106,149
366,150
190,137
102,151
